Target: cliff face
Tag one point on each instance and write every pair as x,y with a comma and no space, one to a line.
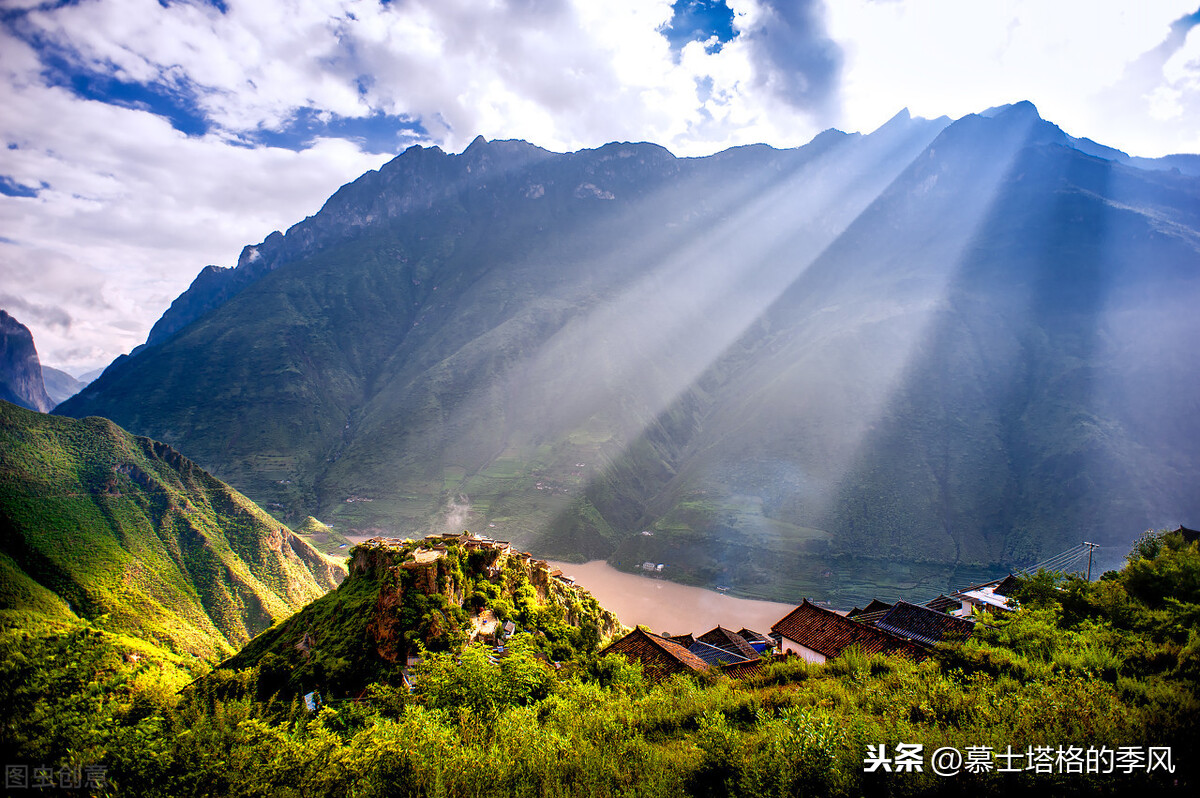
20,370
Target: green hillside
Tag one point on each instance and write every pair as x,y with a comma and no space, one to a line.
127,534
1104,672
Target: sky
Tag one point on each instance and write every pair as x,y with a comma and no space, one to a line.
145,139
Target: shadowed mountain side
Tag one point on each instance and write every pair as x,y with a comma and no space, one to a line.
790,401
944,383
132,536
20,370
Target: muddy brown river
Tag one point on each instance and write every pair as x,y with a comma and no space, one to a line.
670,607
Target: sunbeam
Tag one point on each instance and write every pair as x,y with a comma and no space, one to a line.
633,354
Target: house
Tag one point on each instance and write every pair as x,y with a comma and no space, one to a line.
987,596
942,603
874,607
730,641
714,655
758,642
658,656
818,634
923,625
509,629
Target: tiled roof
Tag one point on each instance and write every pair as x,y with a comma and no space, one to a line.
1007,585
829,634
659,657
869,617
750,667
942,603
730,641
683,640
714,655
875,606
751,636
923,624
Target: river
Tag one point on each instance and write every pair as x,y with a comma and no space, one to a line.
666,606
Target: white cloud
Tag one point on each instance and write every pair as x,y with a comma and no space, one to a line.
134,208
1068,57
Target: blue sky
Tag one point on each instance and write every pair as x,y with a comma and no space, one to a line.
144,139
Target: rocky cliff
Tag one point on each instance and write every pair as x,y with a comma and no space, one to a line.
20,370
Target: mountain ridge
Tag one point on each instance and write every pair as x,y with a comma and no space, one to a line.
745,355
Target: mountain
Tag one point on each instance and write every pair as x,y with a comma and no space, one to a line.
402,598
60,385
937,347
127,533
20,370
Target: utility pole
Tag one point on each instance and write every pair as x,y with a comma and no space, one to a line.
1091,547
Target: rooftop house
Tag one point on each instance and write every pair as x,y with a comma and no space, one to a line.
714,655
943,603
1189,535
987,596
658,656
730,641
818,634
923,625
875,606
759,642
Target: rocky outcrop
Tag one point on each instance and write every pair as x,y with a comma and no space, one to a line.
20,370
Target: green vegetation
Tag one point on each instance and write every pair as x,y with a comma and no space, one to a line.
1102,665
124,532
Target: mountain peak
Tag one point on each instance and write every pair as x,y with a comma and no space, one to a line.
1017,110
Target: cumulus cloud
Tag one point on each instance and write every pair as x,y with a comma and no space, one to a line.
22,310
136,131
793,54
143,140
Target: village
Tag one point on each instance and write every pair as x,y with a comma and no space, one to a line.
811,632
817,634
